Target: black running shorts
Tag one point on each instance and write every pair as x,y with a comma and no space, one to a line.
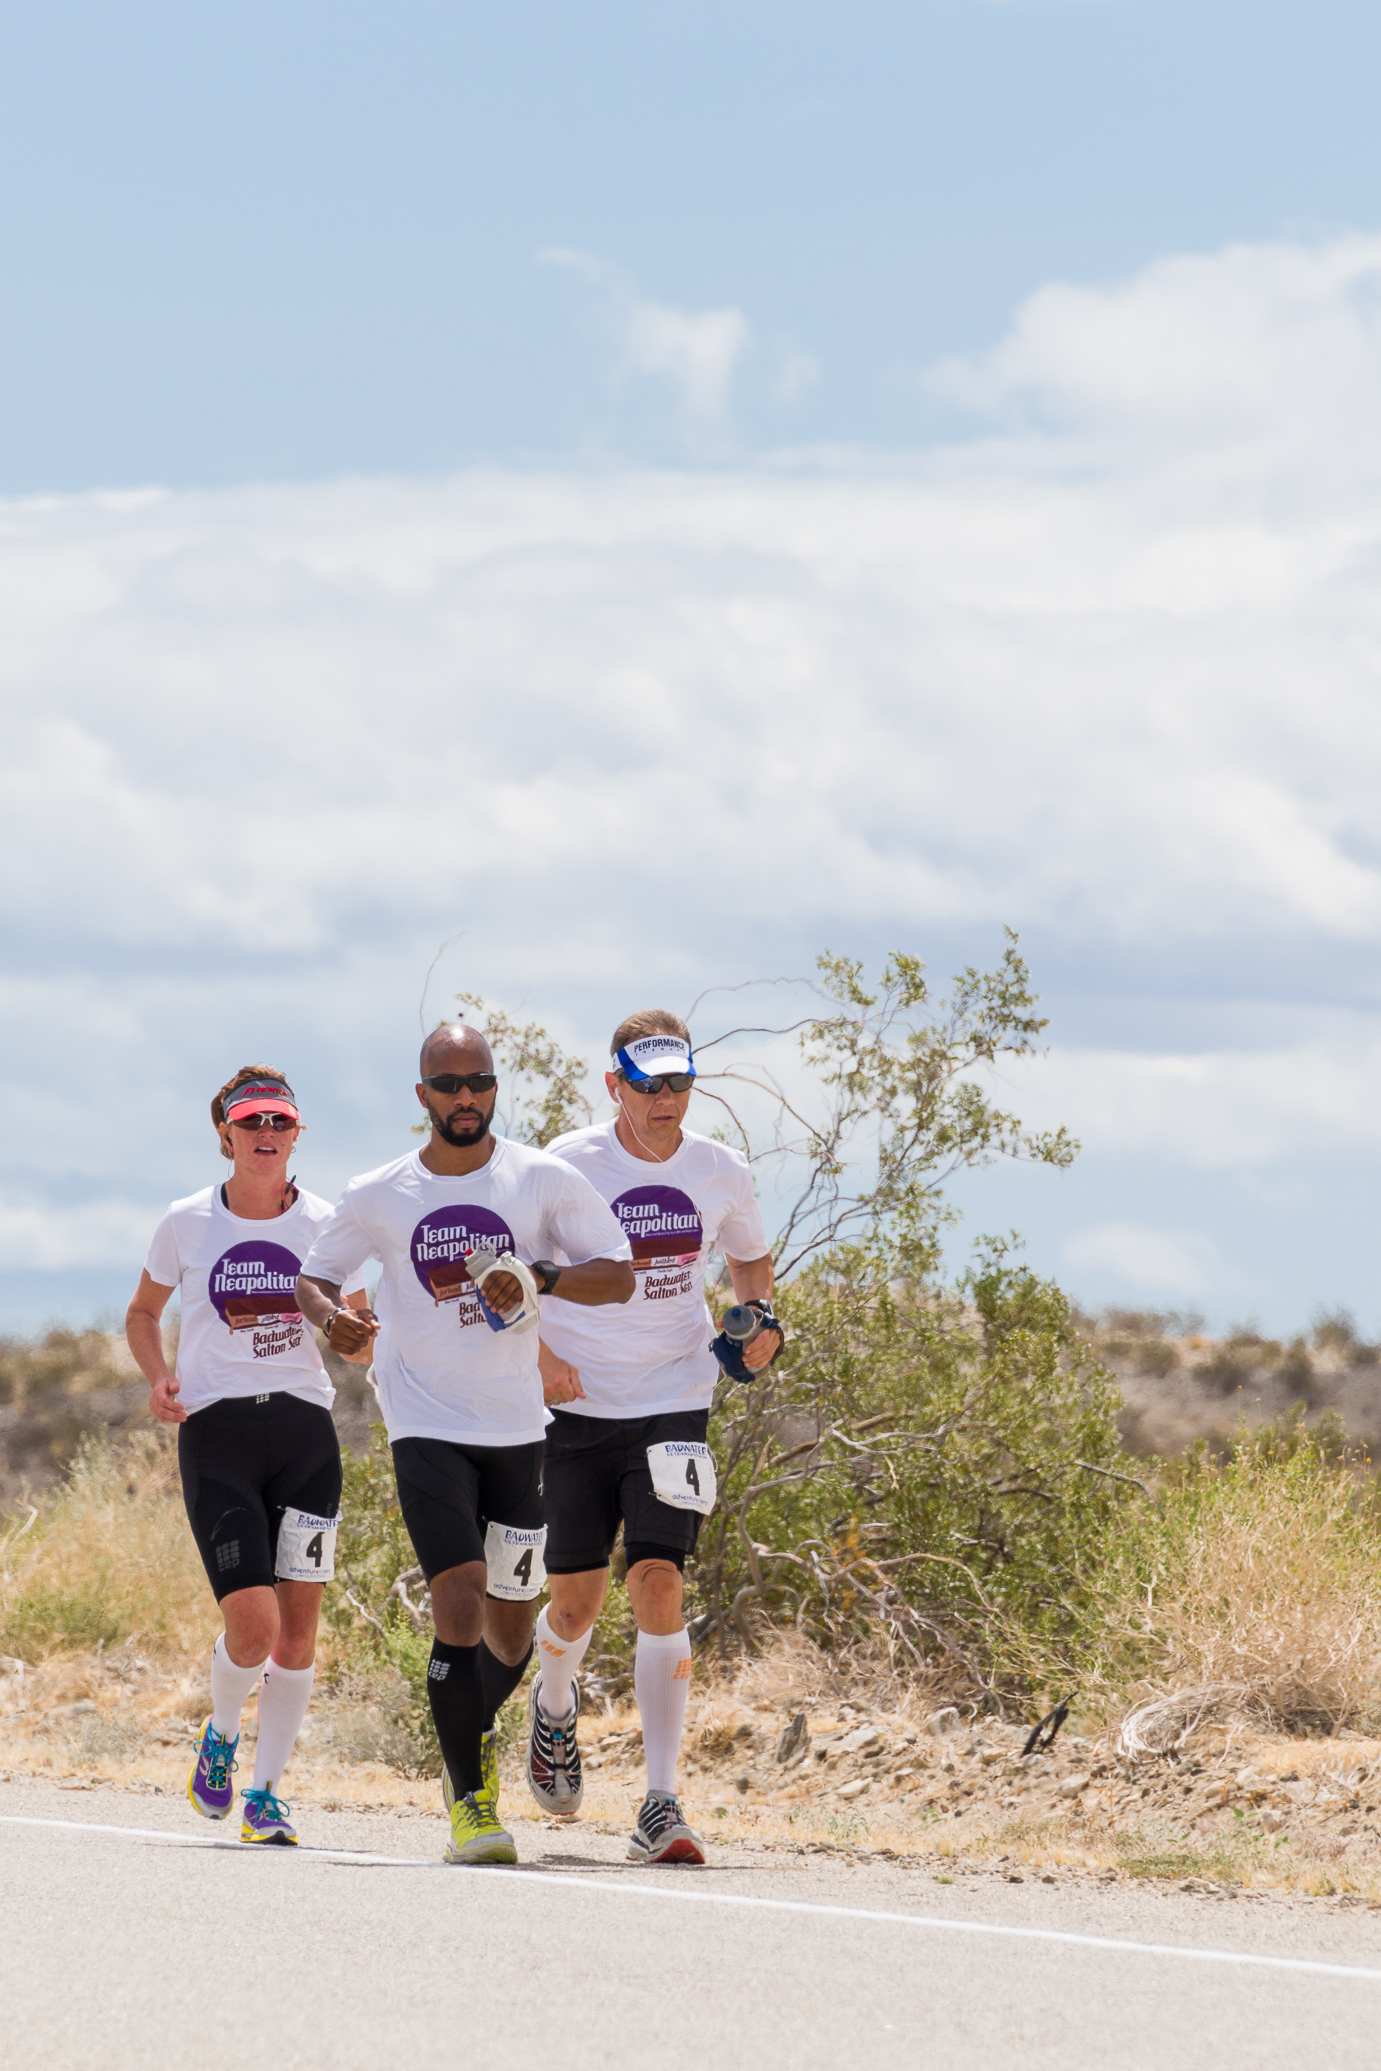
451,1494
598,1479
245,1460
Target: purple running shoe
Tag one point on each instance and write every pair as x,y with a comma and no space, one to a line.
211,1785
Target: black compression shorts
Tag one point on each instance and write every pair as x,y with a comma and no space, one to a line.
245,1460
598,1479
450,1494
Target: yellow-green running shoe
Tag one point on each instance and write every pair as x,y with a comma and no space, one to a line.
476,1836
489,1771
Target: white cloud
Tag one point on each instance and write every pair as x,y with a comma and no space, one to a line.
1256,358
1165,1263
37,1237
1218,1110
697,351
1115,678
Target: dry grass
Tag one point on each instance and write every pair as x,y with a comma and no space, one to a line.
1251,1601
1253,1592
105,1559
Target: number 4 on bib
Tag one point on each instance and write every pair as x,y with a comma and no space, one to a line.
306,1547
514,1559
683,1475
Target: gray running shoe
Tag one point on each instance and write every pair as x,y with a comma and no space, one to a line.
553,1759
662,1834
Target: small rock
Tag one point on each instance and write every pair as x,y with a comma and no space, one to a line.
862,1736
855,1789
942,1723
1272,1821
82,1708
1074,1785
990,1755
794,1744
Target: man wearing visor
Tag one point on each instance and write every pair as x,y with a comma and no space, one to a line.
469,1229
257,1450
627,1447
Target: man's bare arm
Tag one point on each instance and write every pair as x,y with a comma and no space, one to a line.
353,1328
598,1281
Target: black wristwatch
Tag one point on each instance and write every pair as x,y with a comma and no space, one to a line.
547,1273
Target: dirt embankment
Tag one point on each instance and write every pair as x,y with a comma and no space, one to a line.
1235,1814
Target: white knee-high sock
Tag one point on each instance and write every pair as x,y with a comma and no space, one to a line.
230,1686
283,1705
559,1661
661,1684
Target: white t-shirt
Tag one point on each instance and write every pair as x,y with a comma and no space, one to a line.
242,1332
654,1355
440,1370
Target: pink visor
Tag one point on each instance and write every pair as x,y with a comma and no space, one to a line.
267,1097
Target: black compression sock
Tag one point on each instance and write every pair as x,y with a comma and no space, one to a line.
498,1681
457,1701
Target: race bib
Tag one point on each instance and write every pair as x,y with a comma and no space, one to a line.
514,1558
683,1474
306,1547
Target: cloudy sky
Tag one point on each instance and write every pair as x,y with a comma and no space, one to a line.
641,495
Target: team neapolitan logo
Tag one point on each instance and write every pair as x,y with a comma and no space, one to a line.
663,1226
255,1284
441,1244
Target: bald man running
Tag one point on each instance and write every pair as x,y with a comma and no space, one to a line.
469,1230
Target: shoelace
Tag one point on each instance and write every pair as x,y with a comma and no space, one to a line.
220,1760
267,1806
547,1737
665,1812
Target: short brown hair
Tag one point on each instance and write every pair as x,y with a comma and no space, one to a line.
648,1021
241,1078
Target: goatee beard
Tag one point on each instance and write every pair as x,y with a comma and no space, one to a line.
472,1135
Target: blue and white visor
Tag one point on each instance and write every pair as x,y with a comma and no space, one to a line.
652,1056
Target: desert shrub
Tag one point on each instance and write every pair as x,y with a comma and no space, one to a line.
61,1359
1238,1361
938,1473
106,1556
1296,1371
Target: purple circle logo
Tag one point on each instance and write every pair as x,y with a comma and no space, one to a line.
444,1239
662,1224
252,1284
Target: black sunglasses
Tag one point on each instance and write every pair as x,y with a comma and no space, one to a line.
670,1081
472,1081
254,1123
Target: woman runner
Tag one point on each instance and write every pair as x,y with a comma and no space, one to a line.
257,1449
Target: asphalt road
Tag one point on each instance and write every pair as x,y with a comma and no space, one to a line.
133,1934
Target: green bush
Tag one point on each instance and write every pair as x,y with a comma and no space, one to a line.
938,1471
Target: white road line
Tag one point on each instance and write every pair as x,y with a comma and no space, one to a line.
635,1886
